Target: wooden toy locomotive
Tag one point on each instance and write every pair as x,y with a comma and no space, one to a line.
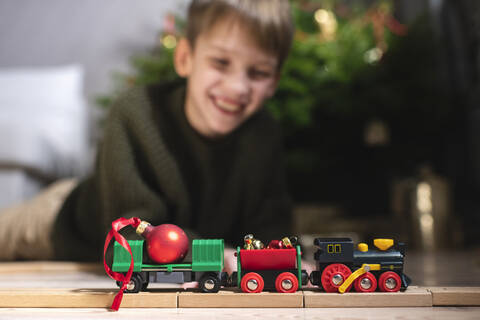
338,266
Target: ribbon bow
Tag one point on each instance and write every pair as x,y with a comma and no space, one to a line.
118,225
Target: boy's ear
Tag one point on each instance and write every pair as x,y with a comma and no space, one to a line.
182,59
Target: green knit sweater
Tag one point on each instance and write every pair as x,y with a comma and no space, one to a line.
152,164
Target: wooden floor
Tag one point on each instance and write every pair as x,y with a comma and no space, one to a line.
447,313
48,290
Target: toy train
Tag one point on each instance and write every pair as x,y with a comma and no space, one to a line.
339,267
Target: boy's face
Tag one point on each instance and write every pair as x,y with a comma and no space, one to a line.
229,78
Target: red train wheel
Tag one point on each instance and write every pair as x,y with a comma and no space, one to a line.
389,281
286,282
334,275
252,282
365,283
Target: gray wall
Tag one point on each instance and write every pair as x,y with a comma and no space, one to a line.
100,35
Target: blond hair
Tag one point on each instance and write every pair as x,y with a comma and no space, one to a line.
269,22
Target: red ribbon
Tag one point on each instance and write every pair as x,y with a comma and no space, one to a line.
117,225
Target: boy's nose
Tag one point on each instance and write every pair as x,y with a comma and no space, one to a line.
239,84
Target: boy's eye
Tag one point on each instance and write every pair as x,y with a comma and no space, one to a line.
219,63
260,74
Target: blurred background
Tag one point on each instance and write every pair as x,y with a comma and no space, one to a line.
379,103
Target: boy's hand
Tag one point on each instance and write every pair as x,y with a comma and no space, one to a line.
230,261
190,285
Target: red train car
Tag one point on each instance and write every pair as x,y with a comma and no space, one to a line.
270,269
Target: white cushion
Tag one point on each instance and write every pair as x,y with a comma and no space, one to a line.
43,118
43,124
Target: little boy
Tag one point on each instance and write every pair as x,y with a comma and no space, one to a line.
205,155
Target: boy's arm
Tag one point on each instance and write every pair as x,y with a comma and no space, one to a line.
137,176
132,164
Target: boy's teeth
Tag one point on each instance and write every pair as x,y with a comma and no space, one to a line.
228,106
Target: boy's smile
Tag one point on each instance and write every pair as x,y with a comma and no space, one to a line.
229,78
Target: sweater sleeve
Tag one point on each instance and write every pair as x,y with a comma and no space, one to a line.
135,175
125,178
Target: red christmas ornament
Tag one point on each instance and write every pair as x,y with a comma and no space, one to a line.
275,244
166,243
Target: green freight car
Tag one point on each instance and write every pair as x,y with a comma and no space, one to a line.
206,267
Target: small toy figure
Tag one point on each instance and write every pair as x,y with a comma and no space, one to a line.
248,242
257,244
293,240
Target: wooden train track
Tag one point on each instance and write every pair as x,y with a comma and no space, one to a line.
232,298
